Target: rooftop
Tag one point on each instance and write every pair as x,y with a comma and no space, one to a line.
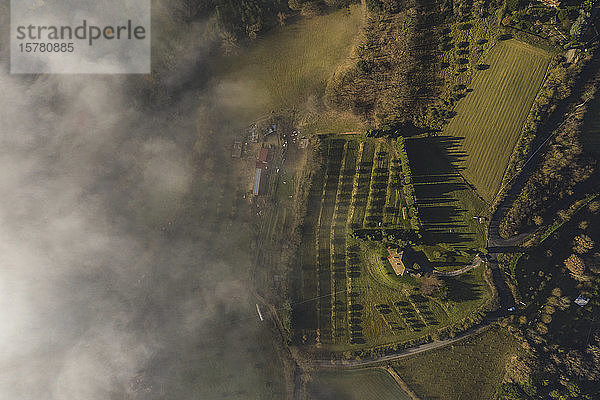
396,259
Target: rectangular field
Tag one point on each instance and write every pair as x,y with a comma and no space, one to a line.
489,120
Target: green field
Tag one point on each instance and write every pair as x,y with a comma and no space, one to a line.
470,369
488,120
364,384
348,294
289,69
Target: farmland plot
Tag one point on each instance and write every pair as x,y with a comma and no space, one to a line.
334,157
350,297
364,384
489,120
339,316
363,182
378,190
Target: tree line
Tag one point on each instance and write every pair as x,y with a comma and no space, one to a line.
248,18
396,72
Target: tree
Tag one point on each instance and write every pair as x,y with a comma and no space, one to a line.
295,4
432,285
575,264
282,18
310,9
582,244
228,42
252,30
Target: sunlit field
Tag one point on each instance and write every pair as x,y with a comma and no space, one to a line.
289,69
488,121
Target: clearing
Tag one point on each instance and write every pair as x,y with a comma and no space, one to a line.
289,69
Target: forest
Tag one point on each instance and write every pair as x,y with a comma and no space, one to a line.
565,164
248,18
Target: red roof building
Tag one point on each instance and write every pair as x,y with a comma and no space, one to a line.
263,155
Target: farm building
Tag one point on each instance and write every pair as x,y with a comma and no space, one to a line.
263,159
270,130
397,260
260,179
263,156
252,134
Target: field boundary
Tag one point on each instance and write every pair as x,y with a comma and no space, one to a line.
394,374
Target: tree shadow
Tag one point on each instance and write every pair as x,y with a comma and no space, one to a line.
435,163
461,289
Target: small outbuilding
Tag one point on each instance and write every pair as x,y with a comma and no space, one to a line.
581,301
259,182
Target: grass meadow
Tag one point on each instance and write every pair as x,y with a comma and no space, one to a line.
289,69
488,121
470,369
363,384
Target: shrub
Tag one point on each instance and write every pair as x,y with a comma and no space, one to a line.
575,264
582,244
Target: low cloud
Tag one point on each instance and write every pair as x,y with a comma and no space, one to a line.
108,266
